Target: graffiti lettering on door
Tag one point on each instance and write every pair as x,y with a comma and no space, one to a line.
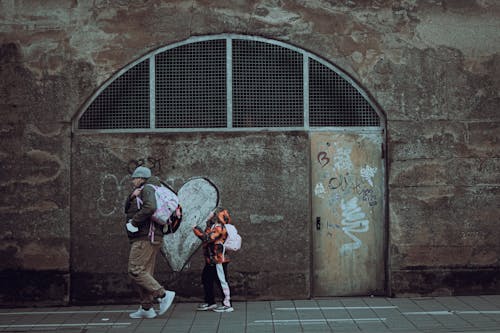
346,187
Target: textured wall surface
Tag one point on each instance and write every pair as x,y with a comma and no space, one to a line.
433,67
261,178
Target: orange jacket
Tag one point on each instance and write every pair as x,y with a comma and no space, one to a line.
213,238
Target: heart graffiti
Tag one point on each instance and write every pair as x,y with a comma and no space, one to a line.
323,159
198,197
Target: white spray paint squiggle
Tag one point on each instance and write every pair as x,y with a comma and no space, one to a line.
343,159
109,202
354,220
367,173
319,190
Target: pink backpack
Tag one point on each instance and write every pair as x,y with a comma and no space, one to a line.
168,211
167,203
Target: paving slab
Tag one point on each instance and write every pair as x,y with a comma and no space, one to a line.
471,314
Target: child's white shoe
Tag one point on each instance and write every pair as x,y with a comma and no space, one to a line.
224,308
206,307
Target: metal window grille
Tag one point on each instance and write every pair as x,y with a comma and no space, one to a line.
229,82
191,86
333,101
267,85
123,104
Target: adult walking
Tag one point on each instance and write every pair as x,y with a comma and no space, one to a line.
145,238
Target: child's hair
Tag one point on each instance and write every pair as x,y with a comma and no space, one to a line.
222,215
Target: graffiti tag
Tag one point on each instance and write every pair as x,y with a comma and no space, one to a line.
150,162
353,220
323,160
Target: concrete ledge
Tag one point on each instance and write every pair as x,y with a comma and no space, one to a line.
423,281
29,288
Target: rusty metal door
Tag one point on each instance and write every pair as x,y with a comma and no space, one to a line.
348,213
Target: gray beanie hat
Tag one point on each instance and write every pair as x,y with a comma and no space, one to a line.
141,172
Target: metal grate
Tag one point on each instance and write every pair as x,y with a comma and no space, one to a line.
267,85
259,84
123,104
335,102
191,86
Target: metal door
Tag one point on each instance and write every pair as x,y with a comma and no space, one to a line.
348,213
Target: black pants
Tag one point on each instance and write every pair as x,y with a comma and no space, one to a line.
215,274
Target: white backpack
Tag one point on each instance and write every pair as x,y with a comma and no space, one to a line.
167,203
233,240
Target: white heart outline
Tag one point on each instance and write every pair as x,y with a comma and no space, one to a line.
197,197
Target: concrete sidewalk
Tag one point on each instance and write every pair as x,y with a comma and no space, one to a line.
339,314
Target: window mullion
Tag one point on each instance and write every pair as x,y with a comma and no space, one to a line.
229,81
152,92
306,91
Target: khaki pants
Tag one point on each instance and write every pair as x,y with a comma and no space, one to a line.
141,265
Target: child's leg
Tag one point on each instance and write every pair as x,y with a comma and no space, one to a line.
223,283
208,278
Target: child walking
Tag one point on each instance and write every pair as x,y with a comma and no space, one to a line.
216,261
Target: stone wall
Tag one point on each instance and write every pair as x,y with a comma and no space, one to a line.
261,178
433,68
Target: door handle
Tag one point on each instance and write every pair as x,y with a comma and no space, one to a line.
318,223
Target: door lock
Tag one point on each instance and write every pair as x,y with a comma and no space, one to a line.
318,223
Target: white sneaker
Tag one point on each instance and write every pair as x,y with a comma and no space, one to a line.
166,301
141,313
206,307
224,308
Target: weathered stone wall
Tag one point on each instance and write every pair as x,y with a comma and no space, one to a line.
433,67
261,178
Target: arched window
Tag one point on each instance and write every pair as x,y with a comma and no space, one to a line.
228,83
